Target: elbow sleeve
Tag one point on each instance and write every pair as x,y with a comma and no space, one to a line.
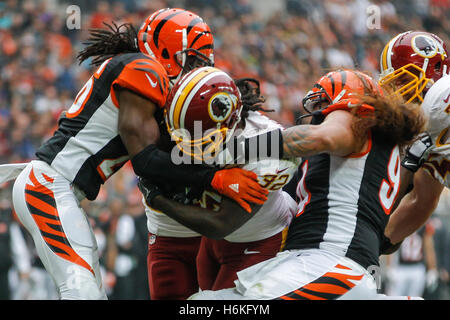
156,165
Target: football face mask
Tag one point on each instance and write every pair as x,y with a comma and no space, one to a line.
202,112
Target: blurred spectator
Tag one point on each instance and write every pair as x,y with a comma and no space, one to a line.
131,241
101,15
413,267
29,279
5,249
21,275
287,51
441,223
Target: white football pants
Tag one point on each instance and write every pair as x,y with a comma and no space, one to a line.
49,208
300,275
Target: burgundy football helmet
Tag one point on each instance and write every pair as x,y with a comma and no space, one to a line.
411,62
202,111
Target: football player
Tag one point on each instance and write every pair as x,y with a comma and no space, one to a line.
348,186
416,65
113,119
209,98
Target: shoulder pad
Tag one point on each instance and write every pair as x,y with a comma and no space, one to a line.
146,77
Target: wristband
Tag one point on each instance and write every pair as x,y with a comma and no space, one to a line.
387,247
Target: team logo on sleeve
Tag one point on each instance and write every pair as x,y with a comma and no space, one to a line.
220,106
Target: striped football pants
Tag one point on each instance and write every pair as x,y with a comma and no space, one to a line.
312,274
47,205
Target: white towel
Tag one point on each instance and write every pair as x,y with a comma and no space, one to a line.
11,171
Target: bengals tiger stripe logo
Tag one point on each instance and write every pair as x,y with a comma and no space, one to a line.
330,286
41,203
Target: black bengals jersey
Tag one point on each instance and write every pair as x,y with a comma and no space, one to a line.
345,202
86,148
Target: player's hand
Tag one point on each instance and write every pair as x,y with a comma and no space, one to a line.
417,153
149,190
387,247
241,186
432,279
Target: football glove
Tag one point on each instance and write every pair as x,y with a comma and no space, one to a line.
417,153
241,186
149,190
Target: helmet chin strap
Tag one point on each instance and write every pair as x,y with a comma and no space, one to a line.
298,120
425,65
230,131
316,113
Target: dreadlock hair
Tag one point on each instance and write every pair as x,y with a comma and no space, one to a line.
393,119
103,44
251,97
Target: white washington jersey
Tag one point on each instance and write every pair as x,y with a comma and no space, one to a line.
86,148
436,106
274,216
345,202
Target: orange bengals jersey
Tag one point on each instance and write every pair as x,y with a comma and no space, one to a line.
86,147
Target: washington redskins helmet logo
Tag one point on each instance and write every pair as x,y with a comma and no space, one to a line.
425,46
220,106
411,62
202,112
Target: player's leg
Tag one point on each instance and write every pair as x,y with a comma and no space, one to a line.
417,287
399,281
207,264
235,257
46,205
172,272
300,275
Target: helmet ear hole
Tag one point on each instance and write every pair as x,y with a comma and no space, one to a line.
165,54
437,66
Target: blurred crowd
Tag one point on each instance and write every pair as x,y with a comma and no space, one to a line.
287,49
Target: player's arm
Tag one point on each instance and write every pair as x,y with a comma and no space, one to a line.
415,156
406,185
334,136
140,133
415,208
212,224
137,126
428,247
